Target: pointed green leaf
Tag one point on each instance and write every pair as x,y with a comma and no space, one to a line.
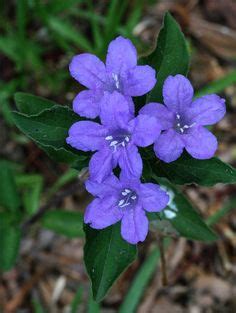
9,197
50,127
187,170
106,256
31,185
170,56
49,130
9,247
30,105
183,217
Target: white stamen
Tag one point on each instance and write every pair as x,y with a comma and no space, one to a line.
127,190
121,202
115,77
123,143
124,205
127,138
188,126
133,197
178,116
109,138
181,129
124,193
178,124
113,143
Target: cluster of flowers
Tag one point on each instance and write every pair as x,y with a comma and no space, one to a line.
171,127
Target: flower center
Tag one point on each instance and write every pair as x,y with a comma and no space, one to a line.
114,83
128,198
119,138
181,125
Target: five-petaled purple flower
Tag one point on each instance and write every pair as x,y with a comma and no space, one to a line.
182,120
120,74
126,200
116,138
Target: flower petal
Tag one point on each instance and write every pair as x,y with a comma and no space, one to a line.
86,136
139,80
115,111
153,198
168,146
121,55
131,105
130,162
87,103
134,225
164,116
102,213
110,185
207,110
200,143
145,130
88,70
101,165
177,93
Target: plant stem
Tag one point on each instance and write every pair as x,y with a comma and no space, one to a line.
163,260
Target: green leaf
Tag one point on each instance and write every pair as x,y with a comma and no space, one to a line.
6,91
50,127
49,130
30,105
183,216
9,197
141,281
106,256
31,185
93,307
67,223
170,56
8,218
187,170
77,300
8,46
9,247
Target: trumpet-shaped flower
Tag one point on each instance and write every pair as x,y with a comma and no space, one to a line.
182,120
124,200
120,74
115,139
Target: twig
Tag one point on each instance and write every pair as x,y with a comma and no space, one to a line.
163,261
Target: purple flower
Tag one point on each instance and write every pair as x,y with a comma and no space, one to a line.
125,200
116,138
182,120
120,74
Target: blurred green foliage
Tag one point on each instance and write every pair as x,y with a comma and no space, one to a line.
38,39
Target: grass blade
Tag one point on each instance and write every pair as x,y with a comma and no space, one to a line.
231,204
218,85
141,281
